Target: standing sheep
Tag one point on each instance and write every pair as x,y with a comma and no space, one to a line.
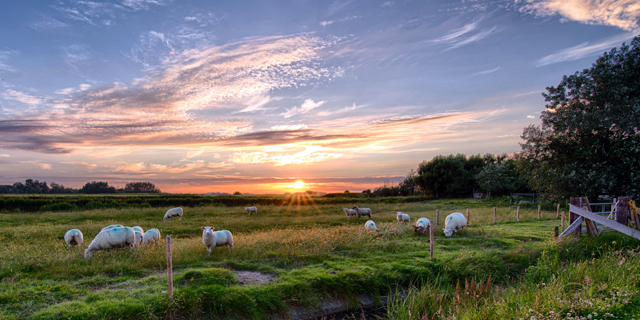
73,237
175,212
213,239
251,209
453,222
138,237
402,217
371,226
151,236
350,212
422,225
362,211
136,228
116,237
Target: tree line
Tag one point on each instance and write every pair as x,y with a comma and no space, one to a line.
31,186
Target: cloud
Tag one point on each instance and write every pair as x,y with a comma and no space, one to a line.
339,111
256,103
4,156
485,72
84,165
47,24
623,14
306,106
584,50
76,57
326,23
104,13
387,4
330,22
457,33
308,155
43,166
4,57
459,37
476,37
531,117
21,97
152,169
289,127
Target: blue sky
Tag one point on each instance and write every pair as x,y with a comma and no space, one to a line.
251,96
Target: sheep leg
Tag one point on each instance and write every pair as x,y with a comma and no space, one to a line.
209,249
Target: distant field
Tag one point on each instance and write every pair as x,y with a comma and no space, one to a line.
310,252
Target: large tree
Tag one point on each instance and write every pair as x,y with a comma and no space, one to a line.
589,139
445,176
141,187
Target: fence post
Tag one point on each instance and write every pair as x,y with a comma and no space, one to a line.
169,269
562,222
539,209
437,217
518,214
468,221
494,215
558,212
576,201
556,233
622,215
431,241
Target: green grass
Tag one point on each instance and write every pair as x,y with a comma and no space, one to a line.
313,251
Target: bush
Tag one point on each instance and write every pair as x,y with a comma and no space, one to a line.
61,206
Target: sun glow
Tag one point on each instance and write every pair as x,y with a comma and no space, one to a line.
299,184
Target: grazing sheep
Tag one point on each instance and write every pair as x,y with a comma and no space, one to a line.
138,237
136,228
402,217
350,212
422,225
370,225
151,236
213,239
73,237
362,211
117,237
453,222
251,209
112,226
175,212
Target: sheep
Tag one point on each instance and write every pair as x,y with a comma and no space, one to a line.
370,225
213,239
175,212
139,229
112,226
73,237
138,237
453,222
350,212
362,211
116,237
422,225
151,236
251,209
402,217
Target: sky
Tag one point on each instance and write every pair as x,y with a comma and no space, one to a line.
253,96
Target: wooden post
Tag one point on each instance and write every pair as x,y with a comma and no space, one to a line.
494,215
622,215
468,221
431,241
576,201
556,233
518,214
562,224
437,217
558,212
169,269
539,210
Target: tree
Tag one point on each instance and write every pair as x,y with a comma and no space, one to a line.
141,187
445,176
589,139
97,187
494,177
237,193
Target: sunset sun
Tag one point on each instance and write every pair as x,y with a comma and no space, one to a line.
299,184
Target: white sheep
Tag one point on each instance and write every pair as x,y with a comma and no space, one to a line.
175,212
151,236
112,226
453,222
73,237
213,239
138,237
251,209
370,225
139,229
422,225
349,212
362,211
402,217
116,237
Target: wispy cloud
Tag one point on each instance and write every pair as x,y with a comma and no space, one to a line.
76,57
623,14
460,37
306,106
340,111
43,166
102,13
47,24
83,165
19,96
4,58
485,72
330,22
584,50
474,38
298,155
256,103
289,127
453,35
387,4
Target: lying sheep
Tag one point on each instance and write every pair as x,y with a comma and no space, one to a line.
422,225
402,217
213,239
116,237
151,236
175,212
362,211
453,222
350,212
73,237
251,209
371,226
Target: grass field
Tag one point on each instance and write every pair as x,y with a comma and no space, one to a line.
311,252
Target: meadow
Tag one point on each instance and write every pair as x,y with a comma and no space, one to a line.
303,252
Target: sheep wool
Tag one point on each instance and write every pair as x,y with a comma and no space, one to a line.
362,211
175,212
138,237
371,226
403,217
251,209
139,229
212,239
453,222
349,212
151,236
422,225
116,237
73,237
